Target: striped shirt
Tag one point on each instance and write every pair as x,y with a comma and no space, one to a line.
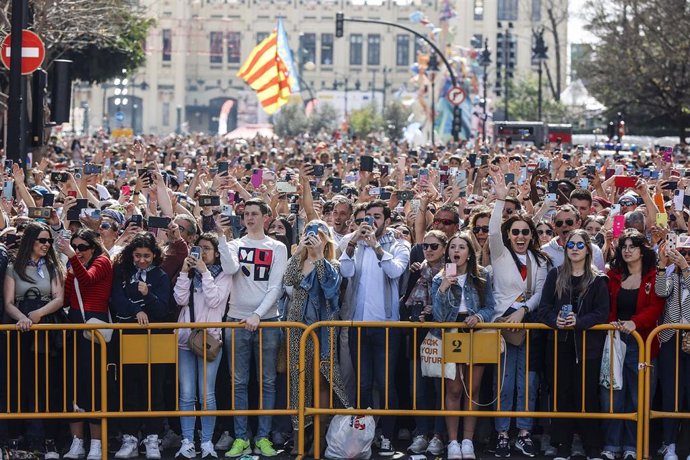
668,285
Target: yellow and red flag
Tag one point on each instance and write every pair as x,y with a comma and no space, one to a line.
267,74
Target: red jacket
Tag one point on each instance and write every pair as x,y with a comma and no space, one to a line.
649,305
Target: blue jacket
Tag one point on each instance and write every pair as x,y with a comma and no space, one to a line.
446,306
126,300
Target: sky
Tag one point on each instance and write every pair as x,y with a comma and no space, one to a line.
576,23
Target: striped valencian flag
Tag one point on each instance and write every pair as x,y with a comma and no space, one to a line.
265,72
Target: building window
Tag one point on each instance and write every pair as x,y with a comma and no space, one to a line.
356,49
536,10
261,36
308,47
402,50
507,10
327,49
478,10
374,49
166,113
167,45
216,48
234,47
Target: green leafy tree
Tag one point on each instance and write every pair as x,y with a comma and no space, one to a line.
323,118
365,121
395,117
640,63
290,121
524,103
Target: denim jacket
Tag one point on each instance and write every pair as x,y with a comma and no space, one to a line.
446,305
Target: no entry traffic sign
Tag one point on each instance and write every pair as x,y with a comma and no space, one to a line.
33,51
456,95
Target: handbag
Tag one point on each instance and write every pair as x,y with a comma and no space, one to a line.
431,357
195,342
619,349
33,300
517,337
106,333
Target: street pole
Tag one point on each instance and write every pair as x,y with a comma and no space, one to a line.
373,85
385,88
346,117
539,54
539,101
433,108
16,132
506,45
485,61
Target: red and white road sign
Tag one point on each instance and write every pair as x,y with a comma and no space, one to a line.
33,51
456,95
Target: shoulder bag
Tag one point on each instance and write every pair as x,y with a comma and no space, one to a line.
33,300
516,337
106,333
195,342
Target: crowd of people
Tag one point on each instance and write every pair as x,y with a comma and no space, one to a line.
199,229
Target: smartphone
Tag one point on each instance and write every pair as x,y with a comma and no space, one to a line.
615,209
609,173
72,193
369,220
285,187
625,181
311,230
81,203
414,205
472,158
565,311
366,163
402,161
671,241
318,170
423,176
451,269
137,219
209,200
58,177
591,170
9,164
223,167
678,199
670,185
257,178
159,222
39,213
384,169
92,169
195,252
584,183
126,190
95,214
375,191
662,219
226,210
336,185
509,178
570,174
618,225
404,195
668,154
8,189
48,200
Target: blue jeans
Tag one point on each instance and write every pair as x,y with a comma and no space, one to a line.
513,367
428,396
191,370
373,369
245,343
619,435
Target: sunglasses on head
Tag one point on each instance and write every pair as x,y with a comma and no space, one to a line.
45,240
81,247
568,222
445,221
481,228
517,231
572,245
627,203
548,231
432,246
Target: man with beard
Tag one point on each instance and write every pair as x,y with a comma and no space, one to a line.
567,219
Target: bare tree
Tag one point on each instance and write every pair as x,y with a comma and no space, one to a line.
557,15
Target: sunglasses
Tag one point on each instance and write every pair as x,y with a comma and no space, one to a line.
517,231
568,222
481,228
45,240
359,221
508,211
81,247
445,221
545,232
685,253
106,226
627,203
572,245
405,232
432,246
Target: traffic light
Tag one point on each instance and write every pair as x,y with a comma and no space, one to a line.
38,98
339,20
457,123
62,91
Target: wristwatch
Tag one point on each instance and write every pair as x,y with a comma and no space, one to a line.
377,247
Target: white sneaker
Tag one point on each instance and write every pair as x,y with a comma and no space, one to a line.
76,450
468,449
153,450
454,451
419,445
186,449
435,446
386,447
224,442
129,447
51,450
95,450
207,449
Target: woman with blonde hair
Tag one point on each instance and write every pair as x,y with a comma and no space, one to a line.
314,273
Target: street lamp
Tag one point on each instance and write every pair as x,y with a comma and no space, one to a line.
485,62
433,68
539,55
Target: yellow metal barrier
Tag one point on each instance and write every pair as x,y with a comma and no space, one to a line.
472,356
650,414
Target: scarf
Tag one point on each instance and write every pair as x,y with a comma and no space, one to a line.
39,266
140,275
421,290
215,270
